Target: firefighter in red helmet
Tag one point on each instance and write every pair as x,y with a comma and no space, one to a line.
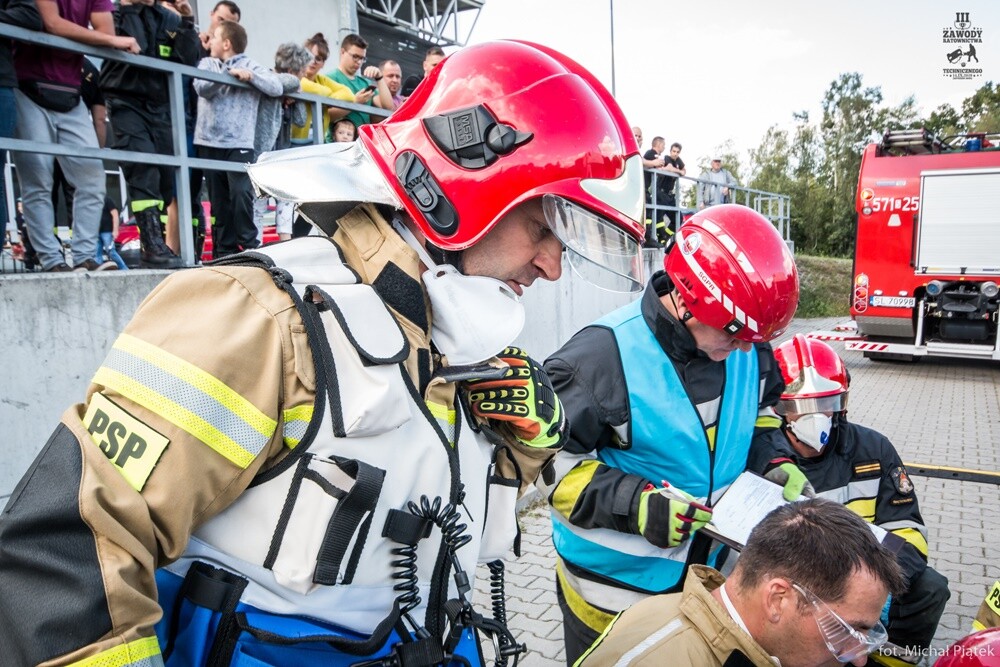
297,455
860,468
676,388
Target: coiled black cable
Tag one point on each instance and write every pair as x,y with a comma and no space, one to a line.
498,600
408,590
446,518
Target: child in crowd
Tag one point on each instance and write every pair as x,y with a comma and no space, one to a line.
225,130
275,119
344,130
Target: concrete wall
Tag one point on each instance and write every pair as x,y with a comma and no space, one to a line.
56,329
54,332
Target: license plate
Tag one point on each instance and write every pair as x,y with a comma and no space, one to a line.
894,301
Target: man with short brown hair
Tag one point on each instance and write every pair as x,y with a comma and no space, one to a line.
808,589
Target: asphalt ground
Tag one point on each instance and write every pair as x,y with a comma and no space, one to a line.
943,412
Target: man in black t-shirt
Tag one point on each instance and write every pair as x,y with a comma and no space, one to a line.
665,220
673,164
652,159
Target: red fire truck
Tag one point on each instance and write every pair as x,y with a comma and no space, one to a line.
927,252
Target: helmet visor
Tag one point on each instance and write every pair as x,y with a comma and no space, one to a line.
600,252
807,406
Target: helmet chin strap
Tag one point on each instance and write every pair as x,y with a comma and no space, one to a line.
687,313
430,254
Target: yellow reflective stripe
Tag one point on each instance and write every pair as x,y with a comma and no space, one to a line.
863,507
138,653
870,467
914,537
594,618
710,434
599,639
768,422
187,397
296,423
200,380
977,626
175,414
572,485
441,412
445,417
143,204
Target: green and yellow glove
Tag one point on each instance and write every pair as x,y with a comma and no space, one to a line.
669,516
523,399
793,481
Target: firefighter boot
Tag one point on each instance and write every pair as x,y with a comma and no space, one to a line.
154,252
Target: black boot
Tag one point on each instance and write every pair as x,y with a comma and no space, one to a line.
154,253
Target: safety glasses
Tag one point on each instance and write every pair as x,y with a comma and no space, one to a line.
845,642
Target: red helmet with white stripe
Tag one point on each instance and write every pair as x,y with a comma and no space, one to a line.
816,379
735,272
499,123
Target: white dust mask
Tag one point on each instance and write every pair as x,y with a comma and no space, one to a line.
473,318
813,429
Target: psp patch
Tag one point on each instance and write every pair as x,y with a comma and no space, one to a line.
131,446
901,481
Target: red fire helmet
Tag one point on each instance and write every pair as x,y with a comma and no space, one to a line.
980,649
816,379
497,124
735,272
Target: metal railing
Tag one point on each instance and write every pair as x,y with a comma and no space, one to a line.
179,160
774,206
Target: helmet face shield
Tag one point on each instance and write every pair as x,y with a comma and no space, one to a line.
598,250
808,406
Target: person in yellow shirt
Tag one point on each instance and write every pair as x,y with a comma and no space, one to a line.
319,84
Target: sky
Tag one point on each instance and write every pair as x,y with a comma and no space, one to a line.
706,73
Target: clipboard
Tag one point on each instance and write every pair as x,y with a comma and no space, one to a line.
744,504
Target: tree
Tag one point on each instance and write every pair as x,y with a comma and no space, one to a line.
944,121
981,112
852,118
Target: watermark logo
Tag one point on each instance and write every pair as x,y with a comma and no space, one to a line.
960,40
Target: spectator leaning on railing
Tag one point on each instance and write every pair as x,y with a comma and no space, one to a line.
138,100
315,83
49,109
226,128
224,10
25,14
367,85
275,118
